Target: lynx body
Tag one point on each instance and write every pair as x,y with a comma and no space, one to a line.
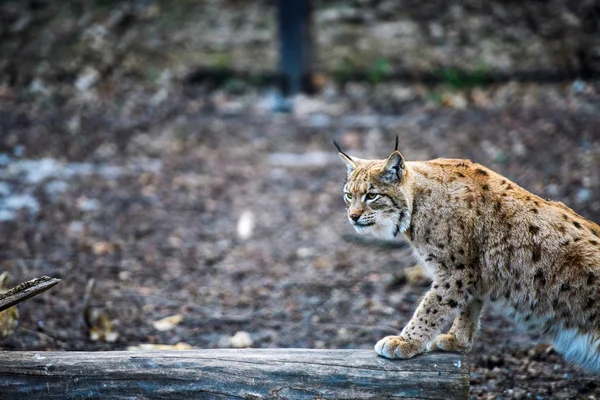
482,239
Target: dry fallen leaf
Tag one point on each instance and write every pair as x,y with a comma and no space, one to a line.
167,323
100,248
8,317
101,327
151,346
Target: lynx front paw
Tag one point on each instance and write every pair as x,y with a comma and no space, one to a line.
448,342
397,347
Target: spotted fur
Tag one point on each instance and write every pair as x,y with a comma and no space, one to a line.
483,239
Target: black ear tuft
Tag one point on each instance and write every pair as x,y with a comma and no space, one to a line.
337,146
396,148
350,163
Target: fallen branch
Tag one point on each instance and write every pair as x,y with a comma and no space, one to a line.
26,290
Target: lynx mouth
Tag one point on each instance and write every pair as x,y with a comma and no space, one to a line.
362,225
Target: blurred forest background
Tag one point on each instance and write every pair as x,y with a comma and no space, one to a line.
149,161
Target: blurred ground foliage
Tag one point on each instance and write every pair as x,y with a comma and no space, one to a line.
186,213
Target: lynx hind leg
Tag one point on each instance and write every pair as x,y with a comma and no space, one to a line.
462,334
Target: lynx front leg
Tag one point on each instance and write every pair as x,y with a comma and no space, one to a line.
440,304
461,335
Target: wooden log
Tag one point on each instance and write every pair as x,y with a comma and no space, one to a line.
26,290
221,374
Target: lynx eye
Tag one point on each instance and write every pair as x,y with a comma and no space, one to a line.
371,196
348,196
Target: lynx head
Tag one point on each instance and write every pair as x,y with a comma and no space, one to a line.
377,194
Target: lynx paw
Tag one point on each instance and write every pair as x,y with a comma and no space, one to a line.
397,347
448,342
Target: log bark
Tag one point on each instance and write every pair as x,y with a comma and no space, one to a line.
238,374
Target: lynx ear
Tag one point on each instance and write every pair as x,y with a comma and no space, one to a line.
393,169
350,163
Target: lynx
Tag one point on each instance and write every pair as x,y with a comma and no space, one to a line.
482,239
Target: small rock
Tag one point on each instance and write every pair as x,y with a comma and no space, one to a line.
578,86
319,121
22,201
76,228
305,106
37,86
175,242
36,171
583,195
4,159
55,187
159,97
245,226
552,189
87,79
240,340
305,252
273,101
436,30
124,275
7,215
519,148
18,151
85,204
74,124
111,337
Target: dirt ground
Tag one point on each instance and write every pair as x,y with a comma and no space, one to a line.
237,224
166,198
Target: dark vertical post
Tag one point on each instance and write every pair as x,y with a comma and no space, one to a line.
295,45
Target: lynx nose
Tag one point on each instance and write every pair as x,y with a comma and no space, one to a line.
355,216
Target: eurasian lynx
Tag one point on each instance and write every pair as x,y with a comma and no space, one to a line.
482,239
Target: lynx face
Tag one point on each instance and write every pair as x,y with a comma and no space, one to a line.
376,196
